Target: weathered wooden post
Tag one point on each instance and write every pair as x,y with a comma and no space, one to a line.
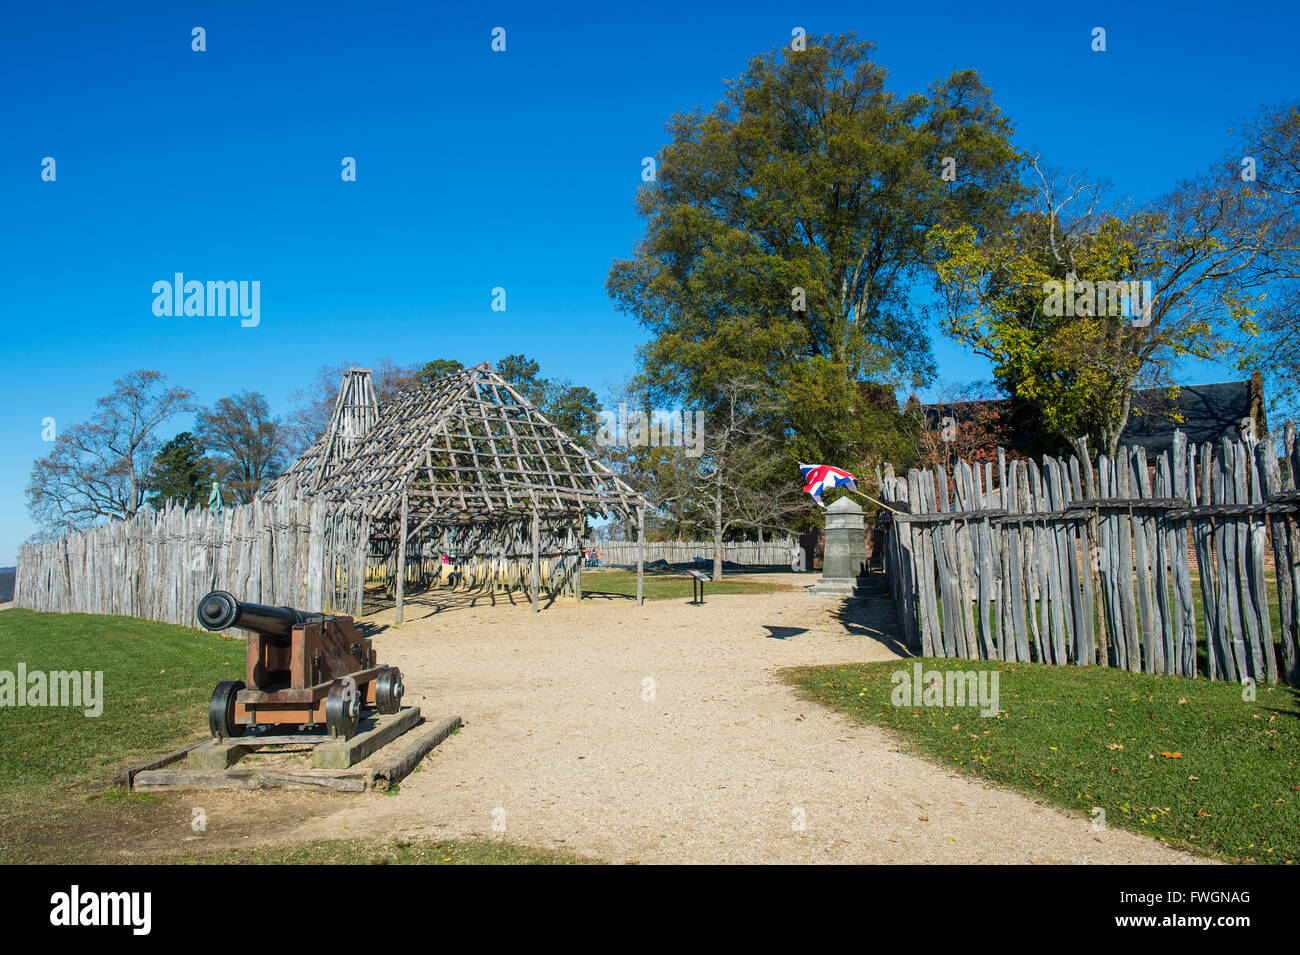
845,559
577,573
401,563
537,565
640,555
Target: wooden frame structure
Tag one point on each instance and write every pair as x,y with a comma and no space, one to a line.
466,462
356,411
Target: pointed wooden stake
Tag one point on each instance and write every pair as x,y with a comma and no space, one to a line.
640,555
537,563
401,562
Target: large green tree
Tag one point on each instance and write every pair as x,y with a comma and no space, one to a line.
785,230
439,368
179,474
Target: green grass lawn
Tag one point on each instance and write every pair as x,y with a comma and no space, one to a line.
1184,761
667,585
157,679
56,763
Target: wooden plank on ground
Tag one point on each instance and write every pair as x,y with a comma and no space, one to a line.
347,752
161,780
124,777
398,766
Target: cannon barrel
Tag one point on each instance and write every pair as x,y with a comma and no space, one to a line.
219,610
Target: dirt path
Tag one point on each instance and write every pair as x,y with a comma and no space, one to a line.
564,748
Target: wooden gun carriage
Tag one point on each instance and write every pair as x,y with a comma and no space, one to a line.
303,670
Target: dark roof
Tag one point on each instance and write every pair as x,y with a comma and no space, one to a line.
1202,412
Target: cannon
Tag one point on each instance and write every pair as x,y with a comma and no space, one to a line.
304,669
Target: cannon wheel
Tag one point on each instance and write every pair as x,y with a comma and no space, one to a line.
389,690
343,709
221,710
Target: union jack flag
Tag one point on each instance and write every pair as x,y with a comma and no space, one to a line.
822,477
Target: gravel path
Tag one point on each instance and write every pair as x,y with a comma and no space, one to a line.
567,747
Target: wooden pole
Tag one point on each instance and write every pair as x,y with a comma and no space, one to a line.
401,562
537,564
577,573
640,555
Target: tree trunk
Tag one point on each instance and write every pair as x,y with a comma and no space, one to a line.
1114,430
1111,439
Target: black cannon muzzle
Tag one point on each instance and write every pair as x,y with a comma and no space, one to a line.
219,610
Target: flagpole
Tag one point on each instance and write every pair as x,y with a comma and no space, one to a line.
872,500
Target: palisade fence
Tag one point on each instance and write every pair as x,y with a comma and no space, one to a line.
286,549
772,551
281,550
1071,564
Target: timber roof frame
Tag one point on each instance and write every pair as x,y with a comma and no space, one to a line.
466,448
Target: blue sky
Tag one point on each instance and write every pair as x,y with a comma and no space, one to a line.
475,169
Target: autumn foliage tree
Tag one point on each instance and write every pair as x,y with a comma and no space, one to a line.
1037,296
1271,143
